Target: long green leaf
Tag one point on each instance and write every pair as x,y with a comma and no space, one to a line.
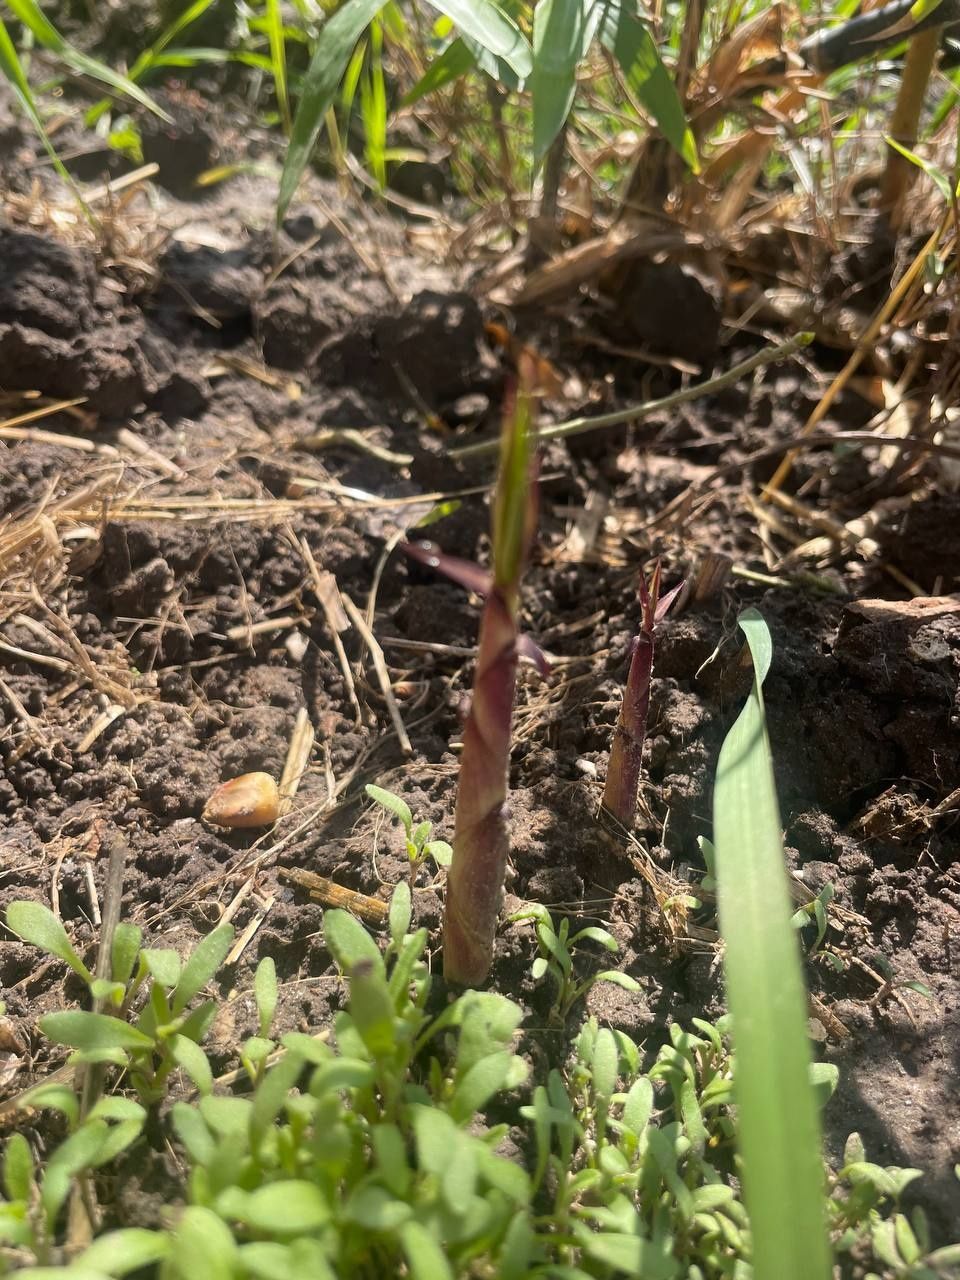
278,57
11,68
455,61
30,14
150,58
558,35
490,27
779,1135
327,65
373,107
631,43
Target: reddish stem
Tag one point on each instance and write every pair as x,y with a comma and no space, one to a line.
626,751
481,839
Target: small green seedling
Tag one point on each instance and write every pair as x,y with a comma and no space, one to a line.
419,845
165,1034
556,957
256,1050
815,910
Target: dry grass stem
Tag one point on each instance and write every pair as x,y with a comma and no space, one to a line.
245,632
328,594
370,910
244,939
383,675
298,759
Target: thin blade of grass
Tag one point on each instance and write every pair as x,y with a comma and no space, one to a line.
16,77
351,78
491,28
455,61
630,42
779,1131
278,59
334,48
30,14
152,57
145,60
373,104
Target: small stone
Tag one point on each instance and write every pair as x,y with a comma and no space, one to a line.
296,645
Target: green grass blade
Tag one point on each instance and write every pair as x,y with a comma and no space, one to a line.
152,57
630,42
29,13
13,71
327,65
779,1136
278,58
373,105
491,28
351,78
558,32
186,19
455,61
933,172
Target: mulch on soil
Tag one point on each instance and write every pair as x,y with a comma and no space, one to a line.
162,622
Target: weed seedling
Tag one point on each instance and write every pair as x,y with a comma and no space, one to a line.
368,1149
556,958
419,845
165,1034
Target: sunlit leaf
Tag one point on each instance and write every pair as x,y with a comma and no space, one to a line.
778,1127
455,61
630,42
558,39
32,17
334,48
490,27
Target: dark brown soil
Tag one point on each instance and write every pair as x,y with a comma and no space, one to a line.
160,599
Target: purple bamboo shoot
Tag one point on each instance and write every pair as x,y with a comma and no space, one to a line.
626,751
481,837
481,842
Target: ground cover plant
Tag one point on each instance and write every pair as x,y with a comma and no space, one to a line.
385,887
387,1159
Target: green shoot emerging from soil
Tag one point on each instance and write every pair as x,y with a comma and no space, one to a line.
416,834
481,838
556,958
166,1033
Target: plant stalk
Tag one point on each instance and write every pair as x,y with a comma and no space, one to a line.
635,413
626,751
899,174
481,841
481,838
